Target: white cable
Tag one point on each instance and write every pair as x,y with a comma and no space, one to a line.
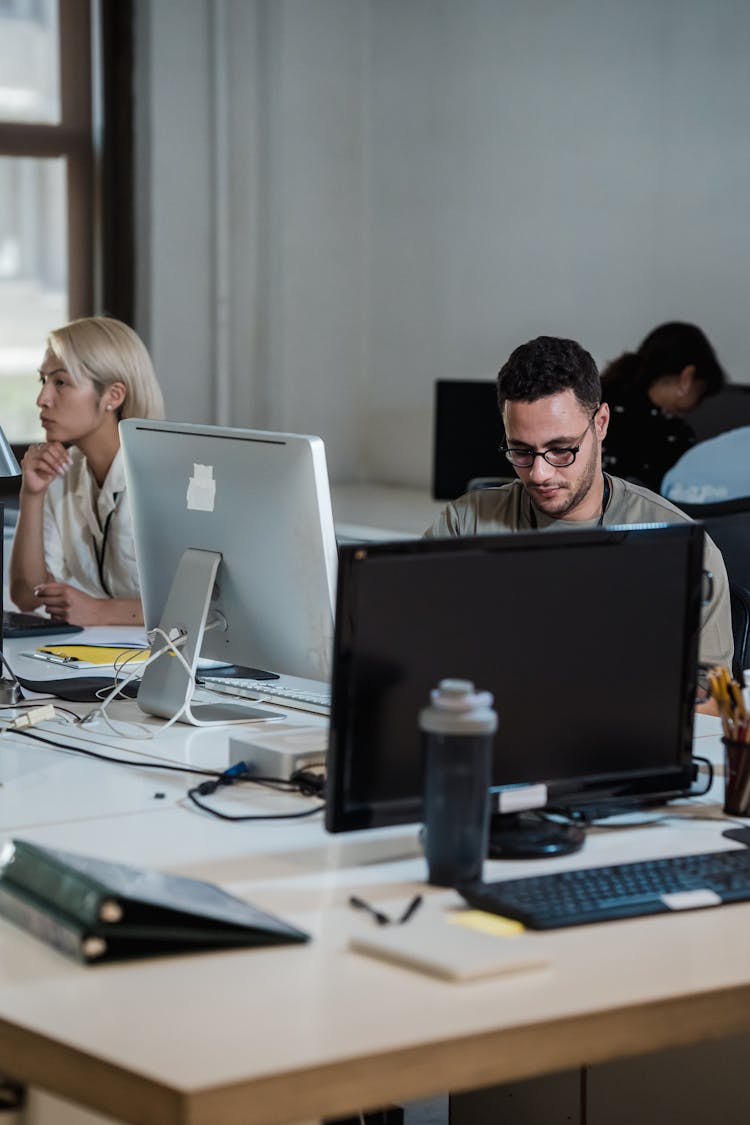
61,715
189,683
218,622
101,711
96,740
171,645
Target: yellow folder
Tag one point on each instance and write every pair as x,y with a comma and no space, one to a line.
91,656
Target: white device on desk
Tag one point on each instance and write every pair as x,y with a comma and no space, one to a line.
279,751
236,554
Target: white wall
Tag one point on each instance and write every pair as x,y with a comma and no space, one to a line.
174,298
409,188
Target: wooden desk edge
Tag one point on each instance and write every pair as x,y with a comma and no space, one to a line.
38,1060
344,1087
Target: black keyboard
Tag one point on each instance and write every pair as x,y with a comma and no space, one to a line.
626,890
17,624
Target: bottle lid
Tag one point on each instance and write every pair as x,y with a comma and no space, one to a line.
457,708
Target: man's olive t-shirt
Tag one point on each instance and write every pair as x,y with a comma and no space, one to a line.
508,508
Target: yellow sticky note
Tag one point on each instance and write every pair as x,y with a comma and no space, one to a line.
485,923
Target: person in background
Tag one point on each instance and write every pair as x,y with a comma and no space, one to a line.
73,551
713,470
649,392
555,424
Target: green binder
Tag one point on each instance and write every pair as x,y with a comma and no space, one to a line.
96,910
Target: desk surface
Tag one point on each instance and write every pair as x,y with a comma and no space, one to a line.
293,1033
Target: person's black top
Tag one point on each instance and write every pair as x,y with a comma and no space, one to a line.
642,441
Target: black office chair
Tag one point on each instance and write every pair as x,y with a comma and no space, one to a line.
728,524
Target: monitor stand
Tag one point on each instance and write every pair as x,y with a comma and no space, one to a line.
523,835
166,687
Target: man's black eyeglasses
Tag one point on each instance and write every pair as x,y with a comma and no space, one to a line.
561,458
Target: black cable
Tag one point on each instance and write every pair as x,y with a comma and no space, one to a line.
225,777
709,770
32,703
239,772
309,783
115,761
105,535
580,817
255,816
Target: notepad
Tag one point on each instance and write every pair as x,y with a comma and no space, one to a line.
92,656
451,952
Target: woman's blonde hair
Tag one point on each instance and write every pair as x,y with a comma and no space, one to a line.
107,351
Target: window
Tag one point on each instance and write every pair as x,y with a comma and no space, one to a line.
47,196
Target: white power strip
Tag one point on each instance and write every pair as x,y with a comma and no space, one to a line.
280,751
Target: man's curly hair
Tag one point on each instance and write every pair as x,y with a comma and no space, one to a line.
545,366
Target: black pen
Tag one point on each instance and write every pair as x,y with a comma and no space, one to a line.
413,906
360,904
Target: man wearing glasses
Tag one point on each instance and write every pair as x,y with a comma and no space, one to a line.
549,393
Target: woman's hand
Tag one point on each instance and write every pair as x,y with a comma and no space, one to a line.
41,463
64,602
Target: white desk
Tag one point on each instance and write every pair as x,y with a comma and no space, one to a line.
293,1033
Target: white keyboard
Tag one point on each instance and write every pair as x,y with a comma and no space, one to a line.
271,691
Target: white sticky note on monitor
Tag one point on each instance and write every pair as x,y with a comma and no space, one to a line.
451,952
516,798
201,490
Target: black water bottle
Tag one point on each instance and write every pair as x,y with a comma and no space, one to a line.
458,732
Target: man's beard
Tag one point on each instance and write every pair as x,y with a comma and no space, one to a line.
566,500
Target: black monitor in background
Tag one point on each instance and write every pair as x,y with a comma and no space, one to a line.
467,433
588,640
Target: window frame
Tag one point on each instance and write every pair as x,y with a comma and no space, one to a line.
95,137
73,139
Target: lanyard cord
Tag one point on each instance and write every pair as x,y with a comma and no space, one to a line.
605,502
101,554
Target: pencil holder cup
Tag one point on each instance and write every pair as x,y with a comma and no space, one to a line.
736,777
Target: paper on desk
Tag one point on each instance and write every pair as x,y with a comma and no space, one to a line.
432,946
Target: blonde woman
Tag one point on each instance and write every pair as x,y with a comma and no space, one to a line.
73,550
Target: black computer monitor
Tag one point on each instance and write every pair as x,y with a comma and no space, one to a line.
467,433
587,639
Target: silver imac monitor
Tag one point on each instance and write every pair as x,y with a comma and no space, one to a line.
236,553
